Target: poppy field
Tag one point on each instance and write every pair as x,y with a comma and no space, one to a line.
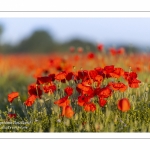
77,91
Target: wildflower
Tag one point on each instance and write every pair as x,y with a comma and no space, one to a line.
68,111
100,47
99,78
134,83
113,51
118,86
68,90
90,107
121,50
83,87
12,96
69,76
49,88
130,75
103,92
42,80
93,74
132,79
87,82
30,101
61,76
52,77
35,90
62,102
123,105
83,100
117,72
100,71
91,55
10,115
102,102
85,90
83,74
108,70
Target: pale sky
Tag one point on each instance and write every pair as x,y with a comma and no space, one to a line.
98,30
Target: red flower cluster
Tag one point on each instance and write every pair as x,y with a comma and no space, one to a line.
88,86
132,79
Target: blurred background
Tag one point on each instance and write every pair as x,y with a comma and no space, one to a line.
41,35
36,47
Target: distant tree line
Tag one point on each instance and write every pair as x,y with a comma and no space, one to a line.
42,42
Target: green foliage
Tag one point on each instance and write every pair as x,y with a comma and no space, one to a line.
39,41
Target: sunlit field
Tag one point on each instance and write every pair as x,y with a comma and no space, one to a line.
104,91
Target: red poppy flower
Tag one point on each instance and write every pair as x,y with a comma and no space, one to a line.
30,101
91,55
108,70
83,74
123,105
69,90
131,78
61,76
63,102
52,76
117,72
121,50
118,86
69,76
102,102
126,75
83,88
93,74
12,96
49,88
104,92
134,83
113,51
87,82
100,71
83,100
68,111
99,78
90,107
12,115
130,75
75,76
35,90
42,80
100,47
